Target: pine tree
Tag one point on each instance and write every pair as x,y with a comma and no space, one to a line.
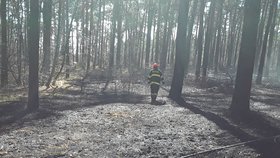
241,97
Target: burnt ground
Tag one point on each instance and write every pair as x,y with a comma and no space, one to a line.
116,120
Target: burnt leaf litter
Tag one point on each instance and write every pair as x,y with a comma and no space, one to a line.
115,119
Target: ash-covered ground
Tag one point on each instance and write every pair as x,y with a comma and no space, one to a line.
116,120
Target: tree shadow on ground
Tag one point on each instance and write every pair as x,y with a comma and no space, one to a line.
265,147
11,111
71,100
64,99
271,99
20,115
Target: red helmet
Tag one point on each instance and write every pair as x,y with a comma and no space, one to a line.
155,65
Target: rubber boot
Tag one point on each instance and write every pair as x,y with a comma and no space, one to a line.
153,101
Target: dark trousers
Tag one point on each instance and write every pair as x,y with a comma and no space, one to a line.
154,92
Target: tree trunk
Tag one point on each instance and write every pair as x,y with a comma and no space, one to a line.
166,36
77,41
47,12
260,34
112,38
102,38
97,38
222,62
200,40
119,42
278,64
90,37
83,38
158,32
33,88
141,42
232,36
238,39
19,43
172,53
180,60
208,37
264,46
218,43
153,43
241,96
212,47
190,32
4,52
148,42
57,47
67,43
65,50
26,38
271,38
125,56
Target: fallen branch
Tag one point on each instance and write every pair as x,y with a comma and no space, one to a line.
232,145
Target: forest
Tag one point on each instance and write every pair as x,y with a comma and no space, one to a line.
76,78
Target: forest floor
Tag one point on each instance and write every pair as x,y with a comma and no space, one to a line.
115,119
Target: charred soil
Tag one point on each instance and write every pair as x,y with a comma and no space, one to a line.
115,119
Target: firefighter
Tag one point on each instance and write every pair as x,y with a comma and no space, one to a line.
155,78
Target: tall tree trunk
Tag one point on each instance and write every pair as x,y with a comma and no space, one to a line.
83,38
112,38
141,42
119,42
278,64
208,37
172,53
212,47
57,47
170,46
68,32
222,62
77,40
4,51
241,96
90,39
65,50
148,42
158,32
102,38
26,29
166,36
200,40
231,37
97,38
260,34
33,88
153,43
271,37
47,12
125,56
190,32
276,50
180,60
19,43
218,43
264,46
238,39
